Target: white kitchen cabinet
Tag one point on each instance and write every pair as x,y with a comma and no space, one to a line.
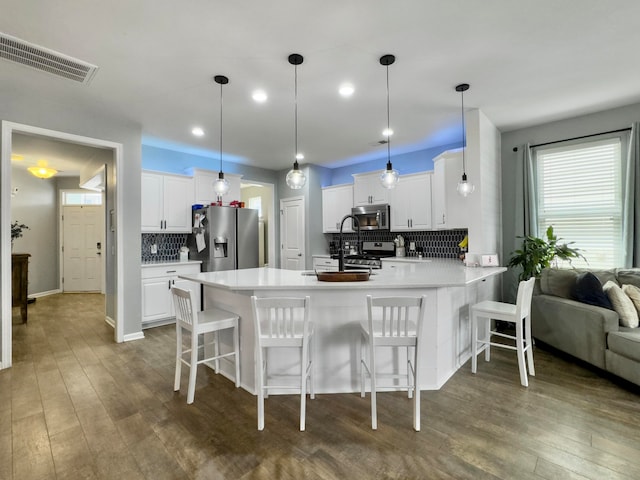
157,280
336,203
410,203
367,189
203,186
166,203
450,210
325,264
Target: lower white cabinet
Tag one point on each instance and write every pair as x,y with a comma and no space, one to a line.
157,280
325,264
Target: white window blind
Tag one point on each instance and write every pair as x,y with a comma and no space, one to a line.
579,191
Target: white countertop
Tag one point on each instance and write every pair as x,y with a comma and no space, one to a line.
172,262
436,273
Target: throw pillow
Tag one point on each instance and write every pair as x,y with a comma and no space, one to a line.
588,289
633,293
622,305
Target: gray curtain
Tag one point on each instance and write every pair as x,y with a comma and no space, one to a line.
526,207
631,201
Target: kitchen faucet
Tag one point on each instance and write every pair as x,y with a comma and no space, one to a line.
340,250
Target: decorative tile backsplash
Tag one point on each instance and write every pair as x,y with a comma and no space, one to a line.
168,246
436,244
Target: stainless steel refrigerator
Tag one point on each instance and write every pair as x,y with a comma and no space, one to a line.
224,238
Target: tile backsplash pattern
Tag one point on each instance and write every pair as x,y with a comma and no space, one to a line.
168,246
435,244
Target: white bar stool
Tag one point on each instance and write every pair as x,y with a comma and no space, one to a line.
283,322
398,325
211,320
520,315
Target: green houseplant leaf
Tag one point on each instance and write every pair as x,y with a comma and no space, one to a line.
538,253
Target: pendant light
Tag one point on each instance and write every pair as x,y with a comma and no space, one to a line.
464,187
42,171
296,178
389,178
221,185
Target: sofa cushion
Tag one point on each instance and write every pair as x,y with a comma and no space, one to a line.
625,343
629,276
558,282
633,293
622,305
588,289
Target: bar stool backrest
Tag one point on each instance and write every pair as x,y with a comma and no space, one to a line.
523,300
397,316
281,317
184,303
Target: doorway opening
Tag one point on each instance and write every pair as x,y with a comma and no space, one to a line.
112,227
260,196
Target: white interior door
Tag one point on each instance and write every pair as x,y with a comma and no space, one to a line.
292,237
82,228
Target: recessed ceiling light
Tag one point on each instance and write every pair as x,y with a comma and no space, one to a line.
260,96
346,89
197,131
387,132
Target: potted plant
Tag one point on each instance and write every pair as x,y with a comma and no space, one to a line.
16,231
538,253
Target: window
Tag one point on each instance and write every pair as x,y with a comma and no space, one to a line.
579,192
79,197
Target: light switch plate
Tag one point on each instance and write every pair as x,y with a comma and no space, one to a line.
154,249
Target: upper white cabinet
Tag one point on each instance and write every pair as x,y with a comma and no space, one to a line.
336,203
410,203
203,186
450,210
367,189
166,203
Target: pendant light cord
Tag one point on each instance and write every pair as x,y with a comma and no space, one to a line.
221,127
388,121
464,137
295,115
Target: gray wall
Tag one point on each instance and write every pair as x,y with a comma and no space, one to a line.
31,109
595,123
35,205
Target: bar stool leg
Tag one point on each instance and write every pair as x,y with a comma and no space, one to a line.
474,342
520,350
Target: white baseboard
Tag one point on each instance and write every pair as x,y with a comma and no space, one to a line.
134,336
44,294
110,321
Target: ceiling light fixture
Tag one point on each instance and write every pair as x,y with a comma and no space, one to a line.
259,96
42,172
197,131
389,178
221,185
464,187
296,178
346,90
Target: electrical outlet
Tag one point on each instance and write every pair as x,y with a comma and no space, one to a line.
154,249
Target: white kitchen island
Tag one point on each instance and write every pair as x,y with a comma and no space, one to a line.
337,308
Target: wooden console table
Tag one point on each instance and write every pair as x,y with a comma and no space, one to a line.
19,282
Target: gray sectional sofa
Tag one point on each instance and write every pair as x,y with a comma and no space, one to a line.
588,332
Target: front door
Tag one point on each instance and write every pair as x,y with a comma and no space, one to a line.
82,248
292,255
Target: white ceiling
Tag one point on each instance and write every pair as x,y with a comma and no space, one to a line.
527,62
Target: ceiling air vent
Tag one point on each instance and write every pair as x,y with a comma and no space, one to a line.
46,60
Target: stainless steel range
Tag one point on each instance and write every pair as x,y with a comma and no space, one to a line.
372,253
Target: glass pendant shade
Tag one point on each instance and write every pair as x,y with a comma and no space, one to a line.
464,187
389,178
296,178
221,185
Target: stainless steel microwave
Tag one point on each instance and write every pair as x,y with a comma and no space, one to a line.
372,217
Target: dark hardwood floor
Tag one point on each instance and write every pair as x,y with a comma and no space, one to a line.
75,405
